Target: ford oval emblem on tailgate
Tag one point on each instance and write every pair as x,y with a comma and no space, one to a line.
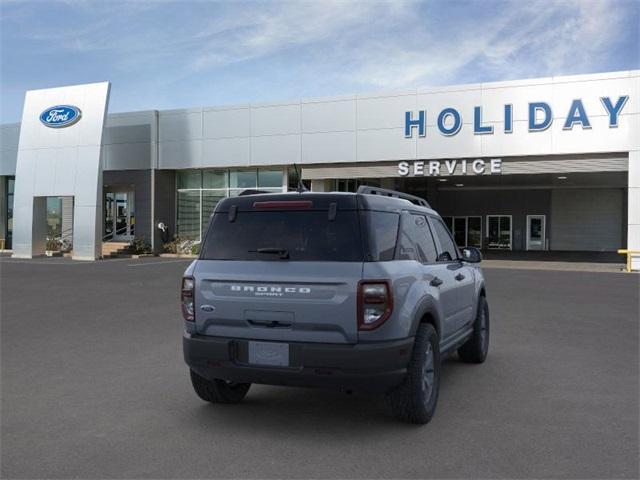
60,116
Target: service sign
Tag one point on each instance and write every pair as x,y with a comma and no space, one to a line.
60,116
437,168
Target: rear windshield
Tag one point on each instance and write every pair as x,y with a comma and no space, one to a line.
306,235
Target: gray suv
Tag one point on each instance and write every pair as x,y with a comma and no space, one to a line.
355,291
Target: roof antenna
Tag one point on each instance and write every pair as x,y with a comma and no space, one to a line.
301,188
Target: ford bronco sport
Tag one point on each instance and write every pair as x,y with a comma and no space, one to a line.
356,291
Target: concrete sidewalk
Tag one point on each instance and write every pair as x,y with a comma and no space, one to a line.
556,266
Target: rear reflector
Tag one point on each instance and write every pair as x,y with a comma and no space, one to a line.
284,204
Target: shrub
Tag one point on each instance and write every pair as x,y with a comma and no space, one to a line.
138,246
180,245
53,244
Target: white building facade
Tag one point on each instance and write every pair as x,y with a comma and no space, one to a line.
540,164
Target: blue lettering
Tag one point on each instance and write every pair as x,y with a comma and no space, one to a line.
508,118
535,126
576,115
409,123
614,111
457,121
478,128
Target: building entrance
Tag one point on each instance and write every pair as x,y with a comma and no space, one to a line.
119,218
536,226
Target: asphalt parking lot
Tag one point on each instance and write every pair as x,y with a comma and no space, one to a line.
94,386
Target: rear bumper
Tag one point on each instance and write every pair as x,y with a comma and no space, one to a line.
373,367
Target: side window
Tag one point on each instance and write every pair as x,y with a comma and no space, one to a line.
426,239
415,240
383,230
448,221
448,247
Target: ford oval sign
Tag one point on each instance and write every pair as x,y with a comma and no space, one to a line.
60,116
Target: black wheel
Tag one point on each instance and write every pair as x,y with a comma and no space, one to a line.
415,400
475,349
218,391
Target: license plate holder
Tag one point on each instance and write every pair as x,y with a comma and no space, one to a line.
272,354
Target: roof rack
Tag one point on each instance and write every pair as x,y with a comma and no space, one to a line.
392,193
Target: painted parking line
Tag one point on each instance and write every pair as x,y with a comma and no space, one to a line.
146,264
48,261
36,262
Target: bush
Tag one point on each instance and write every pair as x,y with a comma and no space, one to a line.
53,244
195,249
181,246
138,246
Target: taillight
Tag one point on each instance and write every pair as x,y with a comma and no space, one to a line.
375,303
186,298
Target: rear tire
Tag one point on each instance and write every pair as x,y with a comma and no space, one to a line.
476,348
414,401
218,391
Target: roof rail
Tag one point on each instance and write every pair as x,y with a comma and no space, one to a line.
393,193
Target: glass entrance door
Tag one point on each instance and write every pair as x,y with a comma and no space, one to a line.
119,220
536,232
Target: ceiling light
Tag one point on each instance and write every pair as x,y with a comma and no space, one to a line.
443,180
562,177
459,184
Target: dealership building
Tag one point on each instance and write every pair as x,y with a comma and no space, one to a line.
547,164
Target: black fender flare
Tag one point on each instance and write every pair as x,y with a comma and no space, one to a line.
481,291
427,306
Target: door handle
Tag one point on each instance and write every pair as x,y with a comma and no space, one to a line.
459,277
436,282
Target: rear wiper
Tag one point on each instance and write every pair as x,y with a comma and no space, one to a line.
283,252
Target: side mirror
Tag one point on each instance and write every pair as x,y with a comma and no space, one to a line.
444,257
471,255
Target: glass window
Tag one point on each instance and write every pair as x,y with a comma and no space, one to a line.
427,243
448,249
293,180
54,216
189,179
448,221
215,179
284,236
210,199
207,187
189,215
460,231
10,187
269,178
474,232
243,179
383,232
416,242
499,231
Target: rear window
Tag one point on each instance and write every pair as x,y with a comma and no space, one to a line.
280,235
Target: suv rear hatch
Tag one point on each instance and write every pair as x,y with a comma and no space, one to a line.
281,267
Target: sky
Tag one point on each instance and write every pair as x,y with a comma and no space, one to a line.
164,54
